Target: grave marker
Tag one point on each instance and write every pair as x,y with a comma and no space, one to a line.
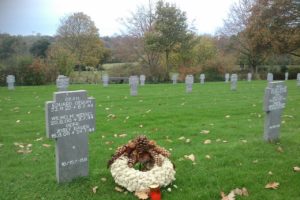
286,75
202,78
69,118
105,80
233,80
133,82
62,83
274,102
142,80
189,80
270,77
10,80
298,79
227,77
174,78
249,77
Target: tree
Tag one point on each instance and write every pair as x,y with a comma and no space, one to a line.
171,29
78,34
39,48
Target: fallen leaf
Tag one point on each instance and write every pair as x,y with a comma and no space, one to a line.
169,189
270,173
141,126
175,186
272,185
118,189
38,139
106,108
95,189
255,161
103,179
18,121
24,151
46,145
122,135
230,196
280,149
227,116
190,157
207,142
218,140
141,195
224,141
207,157
244,141
205,131
188,140
296,169
181,138
240,192
148,111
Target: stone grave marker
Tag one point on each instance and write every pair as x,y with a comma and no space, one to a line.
274,102
142,79
69,119
270,77
174,78
189,80
233,79
133,82
10,80
298,79
105,80
62,83
202,78
249,77
227,77
286,76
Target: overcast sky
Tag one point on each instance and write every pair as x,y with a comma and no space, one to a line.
26,17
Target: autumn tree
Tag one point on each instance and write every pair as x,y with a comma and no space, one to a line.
78,34
170,31
39,48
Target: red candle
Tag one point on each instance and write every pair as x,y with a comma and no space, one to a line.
155,192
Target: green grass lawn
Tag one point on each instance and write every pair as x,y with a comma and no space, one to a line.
163,112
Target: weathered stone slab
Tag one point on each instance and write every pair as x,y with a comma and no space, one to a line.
189,80
62,83
233,79
227,77
274,103
270,77
142,79
249,77
105,80
10,80
298,79
286,76
174,78
68,120
202,78
133,82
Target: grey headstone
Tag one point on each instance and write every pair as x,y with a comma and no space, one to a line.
298,79
174,78
233,79
274,102
105,80
62,83
227,77
249,77
69,118
286,76
133,82
10,80
270,77
189,80
142,79
202,78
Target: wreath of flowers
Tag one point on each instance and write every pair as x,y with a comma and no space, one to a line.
152,160
135,180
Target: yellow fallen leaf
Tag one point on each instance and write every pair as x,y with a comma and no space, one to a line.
270,173
24,151
141,126
18,121
230,196
118,189
207,157
95,189
38,139
207,142
181,138
188,140
190,157
141,194
272,185
148,111
103,179
296,169
280,149
205,131
227,116
46,145
122,135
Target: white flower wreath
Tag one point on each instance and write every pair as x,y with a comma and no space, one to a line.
135,180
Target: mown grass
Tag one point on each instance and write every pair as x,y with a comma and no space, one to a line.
166,113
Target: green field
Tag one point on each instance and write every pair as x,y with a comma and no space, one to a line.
164,112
